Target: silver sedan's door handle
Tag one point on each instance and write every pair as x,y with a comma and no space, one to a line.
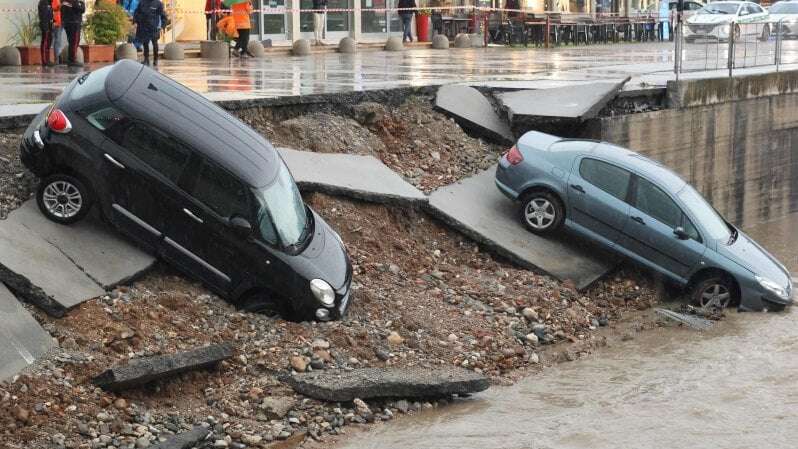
193,217
114,161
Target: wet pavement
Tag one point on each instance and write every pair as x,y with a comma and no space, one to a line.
276,75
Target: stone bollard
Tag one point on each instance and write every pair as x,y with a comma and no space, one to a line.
174,51
440,42
125,51
347,45
10,56
215,50
477,40
394,43
301,47
255,48
462,40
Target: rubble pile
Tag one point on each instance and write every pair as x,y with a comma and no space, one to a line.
427,148
16,183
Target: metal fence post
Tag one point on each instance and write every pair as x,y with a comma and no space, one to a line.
779,32
677,63
730,61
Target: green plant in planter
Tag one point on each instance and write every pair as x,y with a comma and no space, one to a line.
26,30
108,24
424,12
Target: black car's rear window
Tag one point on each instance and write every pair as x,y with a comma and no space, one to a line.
90,83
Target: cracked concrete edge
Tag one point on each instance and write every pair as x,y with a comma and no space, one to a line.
364,195
25,290
385,390
495,248
475,129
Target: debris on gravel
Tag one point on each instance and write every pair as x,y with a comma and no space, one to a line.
16,183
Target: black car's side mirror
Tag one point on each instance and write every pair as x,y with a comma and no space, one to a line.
680,234
241,226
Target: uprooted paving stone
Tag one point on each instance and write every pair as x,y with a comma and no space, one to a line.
477,208
57,267
22,340
359,177
145,370
579,102
690,320
474,112
369,383
185,440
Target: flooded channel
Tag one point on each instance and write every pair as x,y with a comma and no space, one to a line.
733,387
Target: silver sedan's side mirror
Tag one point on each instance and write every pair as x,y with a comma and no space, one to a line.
680,234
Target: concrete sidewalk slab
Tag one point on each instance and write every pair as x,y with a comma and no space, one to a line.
360,177
477,208
474,112
578,102
58,267
22,340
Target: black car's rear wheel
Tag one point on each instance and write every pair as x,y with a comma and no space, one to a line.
713,292
63,198
541,212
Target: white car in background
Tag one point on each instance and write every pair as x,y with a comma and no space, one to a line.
784,18
718,20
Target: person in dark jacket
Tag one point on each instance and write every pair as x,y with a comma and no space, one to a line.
46,27
149,17
319,17
407,18
72,19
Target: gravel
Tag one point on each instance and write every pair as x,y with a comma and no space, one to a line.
16,183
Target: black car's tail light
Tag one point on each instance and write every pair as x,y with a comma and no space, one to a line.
514,157
58,122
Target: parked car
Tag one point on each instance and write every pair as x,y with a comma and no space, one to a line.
783,17
690,8
640,209
190,183
718,20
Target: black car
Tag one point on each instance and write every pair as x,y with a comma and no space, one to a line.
190,183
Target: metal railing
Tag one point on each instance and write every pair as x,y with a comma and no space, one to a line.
704,47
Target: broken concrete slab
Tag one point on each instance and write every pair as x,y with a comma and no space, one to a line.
22,340
476,208
474,112
360,177
98,250
366,383
145,370
185,440
690,320
578,102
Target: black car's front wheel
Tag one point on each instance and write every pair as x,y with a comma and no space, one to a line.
541,212
713,292
265,303
63,198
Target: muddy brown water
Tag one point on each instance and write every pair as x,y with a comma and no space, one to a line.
732,387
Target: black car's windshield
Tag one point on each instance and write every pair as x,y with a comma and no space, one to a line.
705,214
719,8
784,8
282,217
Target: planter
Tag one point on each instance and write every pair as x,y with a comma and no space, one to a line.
98,53
215,50
422,28
32,55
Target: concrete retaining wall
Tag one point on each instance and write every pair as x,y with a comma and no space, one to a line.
742,154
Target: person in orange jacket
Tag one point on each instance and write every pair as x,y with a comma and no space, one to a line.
58,31
241,12
227,26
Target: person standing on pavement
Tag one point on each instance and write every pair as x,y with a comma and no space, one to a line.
241,13
57,30
45,8
149,17
212,15
407,18
319,16
72,19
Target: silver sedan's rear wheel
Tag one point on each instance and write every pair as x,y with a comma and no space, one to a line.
541,212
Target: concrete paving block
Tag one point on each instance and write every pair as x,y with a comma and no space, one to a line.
477,208
103,254
394,43
301,47
578,102
10,56
347,45
361,177
142,371
440,42
215,50
368,383
474,112
126,51
462,40
256,49
174,51
22,340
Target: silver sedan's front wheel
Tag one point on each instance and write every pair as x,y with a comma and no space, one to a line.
541,212
716,292
63,199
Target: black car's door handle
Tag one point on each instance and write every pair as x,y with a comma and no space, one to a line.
578,188
110,159
639,220
191,214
